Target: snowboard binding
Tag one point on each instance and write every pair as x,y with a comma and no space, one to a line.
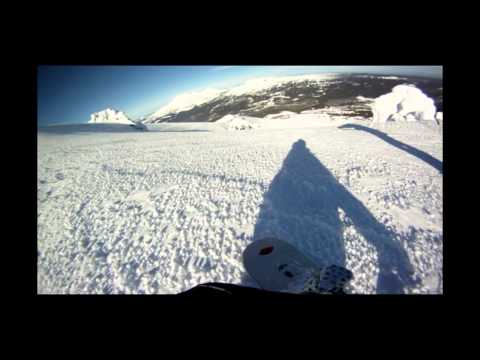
330,280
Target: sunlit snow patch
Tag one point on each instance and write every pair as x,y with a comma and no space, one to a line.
237,122
142,198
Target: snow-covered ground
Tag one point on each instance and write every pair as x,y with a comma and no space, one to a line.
123,211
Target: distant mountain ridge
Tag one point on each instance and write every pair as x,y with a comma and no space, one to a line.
266,96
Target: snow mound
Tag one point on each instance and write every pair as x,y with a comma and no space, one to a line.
238,122
110,116
404,103
281,115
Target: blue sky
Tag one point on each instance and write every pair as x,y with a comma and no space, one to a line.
69,94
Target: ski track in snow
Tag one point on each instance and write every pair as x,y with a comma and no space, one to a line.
162,211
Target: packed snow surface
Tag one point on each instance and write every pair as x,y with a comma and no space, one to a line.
122,211
404,103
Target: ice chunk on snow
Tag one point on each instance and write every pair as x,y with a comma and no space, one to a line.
404,103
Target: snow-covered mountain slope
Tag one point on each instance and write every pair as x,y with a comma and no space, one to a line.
189,100
186,101
165,210
256,85
265,96
110,116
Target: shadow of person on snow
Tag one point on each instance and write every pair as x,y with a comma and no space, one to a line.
437,164
302,205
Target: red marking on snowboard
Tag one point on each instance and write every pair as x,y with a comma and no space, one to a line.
270,271
266,250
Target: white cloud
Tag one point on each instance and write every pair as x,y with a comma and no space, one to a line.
220,68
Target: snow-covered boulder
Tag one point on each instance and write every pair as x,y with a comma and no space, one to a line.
404,103
110,116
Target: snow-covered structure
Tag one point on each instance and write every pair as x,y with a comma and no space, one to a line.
110,116
404,103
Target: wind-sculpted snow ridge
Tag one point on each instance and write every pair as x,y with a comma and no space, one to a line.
162,211
404,103
110,116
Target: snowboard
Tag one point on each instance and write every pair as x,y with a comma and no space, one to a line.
277,265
